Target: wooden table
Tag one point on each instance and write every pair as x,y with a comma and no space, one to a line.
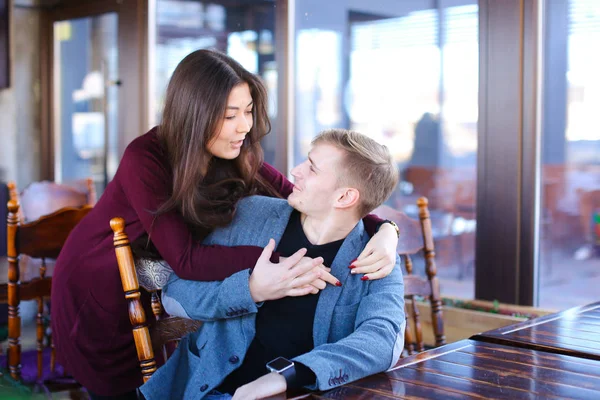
470,369
574,332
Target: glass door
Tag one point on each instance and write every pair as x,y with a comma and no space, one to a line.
85,98
569,224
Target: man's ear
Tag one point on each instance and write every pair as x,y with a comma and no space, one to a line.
348,197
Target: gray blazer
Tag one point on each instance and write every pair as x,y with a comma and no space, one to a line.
358,328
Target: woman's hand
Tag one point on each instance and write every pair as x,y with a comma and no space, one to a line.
378,258
325,276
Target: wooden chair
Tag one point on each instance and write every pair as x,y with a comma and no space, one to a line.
45,197
414,236
428,288
589,202
43,239
152,274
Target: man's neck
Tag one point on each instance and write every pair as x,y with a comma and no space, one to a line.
329,228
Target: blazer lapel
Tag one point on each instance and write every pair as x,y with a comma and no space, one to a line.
350,249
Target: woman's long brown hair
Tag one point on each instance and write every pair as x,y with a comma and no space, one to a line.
194,110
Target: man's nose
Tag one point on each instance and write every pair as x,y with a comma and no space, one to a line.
296,171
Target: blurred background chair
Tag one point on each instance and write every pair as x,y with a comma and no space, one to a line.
414,237
45,197
589,206
42,239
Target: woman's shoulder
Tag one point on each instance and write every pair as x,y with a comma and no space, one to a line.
144,152
146,143
267,170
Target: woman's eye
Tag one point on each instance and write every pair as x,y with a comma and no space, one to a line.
249,112
229,116
312,169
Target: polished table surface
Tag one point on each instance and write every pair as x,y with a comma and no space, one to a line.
574,332
471,369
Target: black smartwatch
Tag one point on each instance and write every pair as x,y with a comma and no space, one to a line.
285,368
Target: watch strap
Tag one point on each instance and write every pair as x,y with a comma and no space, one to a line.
395,226
290,376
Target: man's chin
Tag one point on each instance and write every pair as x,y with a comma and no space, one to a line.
292,202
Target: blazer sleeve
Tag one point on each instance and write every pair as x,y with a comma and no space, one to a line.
284,187
146,184
374,346
209,301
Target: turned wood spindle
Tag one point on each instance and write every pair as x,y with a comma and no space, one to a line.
431,271
131,288
157,310
408,340
14,320
40,325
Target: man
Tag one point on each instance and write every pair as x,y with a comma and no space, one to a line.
318,341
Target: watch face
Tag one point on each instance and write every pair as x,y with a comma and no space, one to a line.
279,364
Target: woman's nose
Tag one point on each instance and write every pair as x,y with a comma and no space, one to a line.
244,125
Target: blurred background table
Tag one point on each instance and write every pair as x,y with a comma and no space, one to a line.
574,332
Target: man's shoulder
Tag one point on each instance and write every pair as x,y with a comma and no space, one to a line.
261,205
257,218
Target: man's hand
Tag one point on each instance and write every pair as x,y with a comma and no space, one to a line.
292,277
378,258
265,386
326,277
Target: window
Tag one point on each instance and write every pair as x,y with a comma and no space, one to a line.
406,76
570,187
242,29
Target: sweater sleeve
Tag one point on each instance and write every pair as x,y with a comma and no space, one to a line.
277,180
284,187
146,183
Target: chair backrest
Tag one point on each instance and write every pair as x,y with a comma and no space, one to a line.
589,203
43,239
45,197
4,197
151,274
414,236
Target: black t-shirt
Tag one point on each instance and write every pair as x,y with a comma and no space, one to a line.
284,327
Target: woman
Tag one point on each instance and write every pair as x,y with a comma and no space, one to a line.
173,186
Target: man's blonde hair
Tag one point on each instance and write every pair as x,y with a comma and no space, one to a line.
367,166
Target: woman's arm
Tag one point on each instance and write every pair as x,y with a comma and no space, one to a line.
277,180
146,183
239,294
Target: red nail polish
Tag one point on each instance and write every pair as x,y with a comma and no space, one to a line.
352,262
364,278
338,283
351,266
